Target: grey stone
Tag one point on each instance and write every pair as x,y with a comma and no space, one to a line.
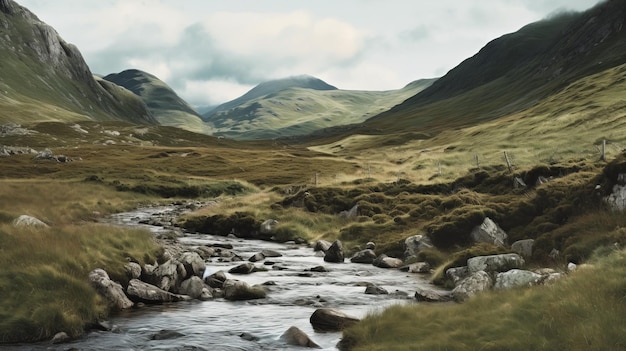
321,245
296,337
489,232
495,263
364,256
418,267
216,280
60,338
416,243
244,268
28,221
472,285
370,245
236,290
457,274
192,287
147,293
112,291
373,289
384,261
269,226
429,295
523,247
193,263
133,270
516,278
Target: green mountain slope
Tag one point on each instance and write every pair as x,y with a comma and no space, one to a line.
273,86
297,111
166,106
43,78
515,71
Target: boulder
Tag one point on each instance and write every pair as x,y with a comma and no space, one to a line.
523,247
489,232
296,337
351,213
319,269
364,256
29,221
334,254
193,263
384,261
331,320
112,291
143,292
417,267
216,280
370,245
457,274
133,270
428,295
257,257
205,252
495,263
472,285
416,243
271,253
60,338
373,289
192,287
206,294
236,290
321,245
617,199
167,276
244,268
516,278
269,226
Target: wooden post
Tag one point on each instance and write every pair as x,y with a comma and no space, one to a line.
476,159
508,162
603,151
439,167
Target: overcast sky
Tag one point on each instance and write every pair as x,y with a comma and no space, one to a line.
213,51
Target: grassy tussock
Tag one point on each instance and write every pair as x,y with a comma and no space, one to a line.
584,311
44,277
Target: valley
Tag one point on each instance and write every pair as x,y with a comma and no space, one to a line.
527,137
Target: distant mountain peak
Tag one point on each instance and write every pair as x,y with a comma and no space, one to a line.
273,86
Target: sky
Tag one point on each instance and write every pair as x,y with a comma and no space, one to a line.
212,51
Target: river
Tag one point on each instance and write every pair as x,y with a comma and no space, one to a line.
218,324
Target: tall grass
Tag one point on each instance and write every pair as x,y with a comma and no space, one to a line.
43,280
584,311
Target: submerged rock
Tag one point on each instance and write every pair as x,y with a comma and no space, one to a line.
236,290
296,337
364,256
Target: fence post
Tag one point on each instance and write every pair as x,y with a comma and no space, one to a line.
476,159
439,168
603,151
508,162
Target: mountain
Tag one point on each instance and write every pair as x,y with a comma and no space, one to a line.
516,71
43,78
283,109
273,86
164,104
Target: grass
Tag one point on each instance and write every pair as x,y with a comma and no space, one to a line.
44,277
584,311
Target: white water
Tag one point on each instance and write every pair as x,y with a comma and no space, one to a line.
218,324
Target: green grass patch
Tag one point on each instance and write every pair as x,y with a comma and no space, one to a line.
584,311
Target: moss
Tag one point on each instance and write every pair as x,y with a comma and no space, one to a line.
241,224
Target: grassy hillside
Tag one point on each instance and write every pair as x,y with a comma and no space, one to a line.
514,72
164,104
43,78
300,111
584,311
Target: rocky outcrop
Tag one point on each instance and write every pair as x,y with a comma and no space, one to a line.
489,232
140,291
236,290
335,254
457,274
193,263
112,291
476,283
331,320
294,336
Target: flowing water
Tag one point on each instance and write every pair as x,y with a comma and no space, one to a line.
218,324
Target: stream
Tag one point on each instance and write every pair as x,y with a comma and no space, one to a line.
218,324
